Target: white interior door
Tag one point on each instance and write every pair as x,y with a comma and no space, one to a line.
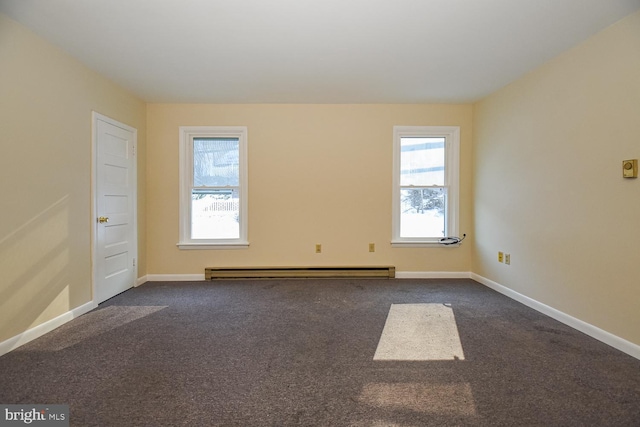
115,208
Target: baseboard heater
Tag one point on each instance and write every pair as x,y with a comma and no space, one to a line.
212,273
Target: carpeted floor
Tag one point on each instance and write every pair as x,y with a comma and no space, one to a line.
301,353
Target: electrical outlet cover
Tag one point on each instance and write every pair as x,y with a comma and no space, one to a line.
630,168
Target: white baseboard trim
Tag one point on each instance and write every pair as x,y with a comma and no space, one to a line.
601,335
174,277
140,281
40,330
433,275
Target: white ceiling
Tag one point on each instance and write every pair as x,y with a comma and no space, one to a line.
315,51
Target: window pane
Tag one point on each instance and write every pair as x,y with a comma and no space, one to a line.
422,212
422,161
216,162
215,214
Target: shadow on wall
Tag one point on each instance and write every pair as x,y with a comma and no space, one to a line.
34,260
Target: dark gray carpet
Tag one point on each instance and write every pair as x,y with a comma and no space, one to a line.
300,353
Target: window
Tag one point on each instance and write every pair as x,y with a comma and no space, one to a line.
425,184
213,187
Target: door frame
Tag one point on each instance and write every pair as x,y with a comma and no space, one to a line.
95,116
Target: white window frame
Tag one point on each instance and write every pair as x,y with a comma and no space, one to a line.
452,182
187,134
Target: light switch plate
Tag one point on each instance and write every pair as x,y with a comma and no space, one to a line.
630,168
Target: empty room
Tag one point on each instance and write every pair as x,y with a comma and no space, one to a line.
299,213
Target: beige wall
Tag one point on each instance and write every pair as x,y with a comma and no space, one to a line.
46,99
317,174
548,188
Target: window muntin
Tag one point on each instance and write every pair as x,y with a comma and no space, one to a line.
425,191
214,187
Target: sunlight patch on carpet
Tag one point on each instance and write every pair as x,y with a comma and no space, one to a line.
420,332
419,397
90,325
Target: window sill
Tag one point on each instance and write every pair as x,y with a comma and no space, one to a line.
212,246
401,244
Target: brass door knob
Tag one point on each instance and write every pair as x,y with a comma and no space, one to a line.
103,219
